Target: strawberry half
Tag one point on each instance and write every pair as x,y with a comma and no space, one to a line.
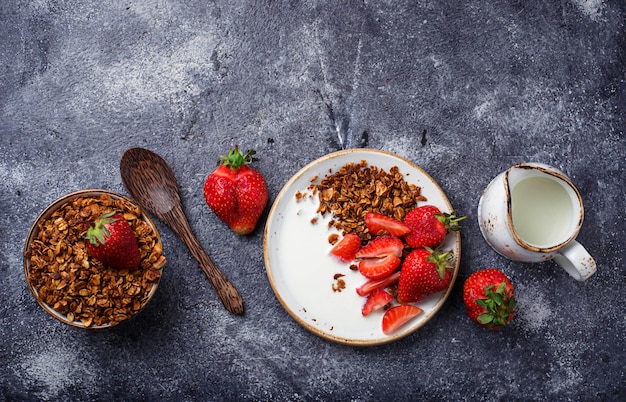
489,297
374,284
379,224
112,241
378,268
381,247
235,192
424,272
397,316
376,300
346,249
429,226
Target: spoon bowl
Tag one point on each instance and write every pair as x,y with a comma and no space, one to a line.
152,183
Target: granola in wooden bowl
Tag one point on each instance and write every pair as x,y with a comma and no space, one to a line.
76,288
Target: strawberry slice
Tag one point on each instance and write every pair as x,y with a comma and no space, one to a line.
379,224
374,284
381,247
346,249
378,268
376,300
397,316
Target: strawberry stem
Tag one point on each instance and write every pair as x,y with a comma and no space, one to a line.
450,220
235,158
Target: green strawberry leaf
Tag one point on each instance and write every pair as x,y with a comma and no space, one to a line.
485,318
498,305
441,260
235,158
98,232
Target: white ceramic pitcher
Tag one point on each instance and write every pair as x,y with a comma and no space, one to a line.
532,212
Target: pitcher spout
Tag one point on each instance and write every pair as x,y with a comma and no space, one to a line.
521,171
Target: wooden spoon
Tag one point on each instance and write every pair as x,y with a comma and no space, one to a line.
151,182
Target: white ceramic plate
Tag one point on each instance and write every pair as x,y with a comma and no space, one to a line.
301,271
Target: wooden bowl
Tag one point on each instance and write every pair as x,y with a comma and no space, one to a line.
75,288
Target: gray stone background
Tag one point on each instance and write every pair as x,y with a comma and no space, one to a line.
462,88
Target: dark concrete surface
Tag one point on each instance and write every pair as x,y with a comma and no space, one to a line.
462,88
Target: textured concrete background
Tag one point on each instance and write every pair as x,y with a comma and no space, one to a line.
463,89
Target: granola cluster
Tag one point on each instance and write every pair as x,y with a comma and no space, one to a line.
357,188
80,287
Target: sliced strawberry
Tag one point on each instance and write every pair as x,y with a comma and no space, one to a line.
397,316
374,284
381,246
378,268
346,249
377,299
379,224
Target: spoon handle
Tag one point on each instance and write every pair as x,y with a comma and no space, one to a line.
228,294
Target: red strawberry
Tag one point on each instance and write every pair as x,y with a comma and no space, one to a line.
490,298
378,268
377,299
235,192
429,226
381,246
397,316
112,241
374,284
345,250
424,272
379,224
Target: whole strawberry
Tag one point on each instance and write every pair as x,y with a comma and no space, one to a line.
235,192
112,241
429,226
424,271
489,297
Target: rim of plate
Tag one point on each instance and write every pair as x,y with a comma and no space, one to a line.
402,332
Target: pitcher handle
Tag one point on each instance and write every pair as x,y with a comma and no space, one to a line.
574,259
